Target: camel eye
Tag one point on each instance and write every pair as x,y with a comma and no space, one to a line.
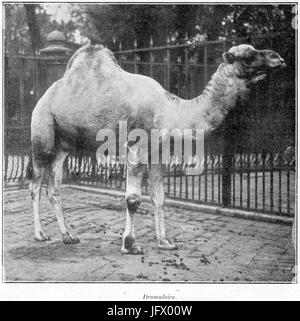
249,60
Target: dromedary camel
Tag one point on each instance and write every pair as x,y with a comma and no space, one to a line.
96,93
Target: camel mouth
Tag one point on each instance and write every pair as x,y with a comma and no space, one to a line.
271,67
275,64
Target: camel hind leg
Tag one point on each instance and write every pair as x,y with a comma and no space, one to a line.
53,193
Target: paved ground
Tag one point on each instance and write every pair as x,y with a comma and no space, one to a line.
212,248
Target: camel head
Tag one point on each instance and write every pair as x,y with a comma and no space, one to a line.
251,64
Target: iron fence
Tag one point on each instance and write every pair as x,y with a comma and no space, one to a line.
255,173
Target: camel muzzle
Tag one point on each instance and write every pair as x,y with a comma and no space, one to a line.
274,61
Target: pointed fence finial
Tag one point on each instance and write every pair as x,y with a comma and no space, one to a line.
186,37
120,46
135,44
168,40
151,42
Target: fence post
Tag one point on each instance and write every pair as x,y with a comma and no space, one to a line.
56,48
228,154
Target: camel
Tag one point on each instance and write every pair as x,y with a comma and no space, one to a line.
95,92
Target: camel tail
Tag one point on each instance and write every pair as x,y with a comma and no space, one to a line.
29,169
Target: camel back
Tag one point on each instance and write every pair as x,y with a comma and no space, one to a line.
90,52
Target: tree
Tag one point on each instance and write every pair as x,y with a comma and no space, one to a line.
34,28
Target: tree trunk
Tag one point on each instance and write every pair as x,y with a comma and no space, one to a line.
33,27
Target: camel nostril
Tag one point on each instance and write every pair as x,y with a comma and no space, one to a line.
273,55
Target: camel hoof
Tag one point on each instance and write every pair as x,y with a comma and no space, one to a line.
129,246
166,245
42,237
134,250
68,238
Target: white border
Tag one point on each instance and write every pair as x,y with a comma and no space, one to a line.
119,291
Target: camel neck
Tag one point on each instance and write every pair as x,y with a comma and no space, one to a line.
219,96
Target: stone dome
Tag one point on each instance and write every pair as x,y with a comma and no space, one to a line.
56,36
56,44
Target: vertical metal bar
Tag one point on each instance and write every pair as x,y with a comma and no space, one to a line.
151,59
288,186
186,70
36,80
233,180
21,178
174,175
168,65
264,182
5,166
135,56
271,182
279,181
180,180
120,56
111,173
199,188
22,90
256,171
186,184
205,178
205,65
219,178
12,167
17,169
248,179
241,179
212,178
178,77
106,172
94,162
169,174
193,187
228,151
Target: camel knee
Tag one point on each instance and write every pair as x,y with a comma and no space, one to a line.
158,197
53,195
35,194
35,189
133,201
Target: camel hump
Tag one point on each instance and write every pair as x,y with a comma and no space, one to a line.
90,52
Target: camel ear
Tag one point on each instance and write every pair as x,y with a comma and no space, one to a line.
228,57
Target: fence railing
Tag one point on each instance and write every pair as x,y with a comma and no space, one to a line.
260,182
249,178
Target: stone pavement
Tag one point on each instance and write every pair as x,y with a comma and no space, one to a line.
212,248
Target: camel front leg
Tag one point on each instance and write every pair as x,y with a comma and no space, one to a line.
135,174
157,195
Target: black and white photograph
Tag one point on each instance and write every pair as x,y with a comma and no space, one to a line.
149,143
